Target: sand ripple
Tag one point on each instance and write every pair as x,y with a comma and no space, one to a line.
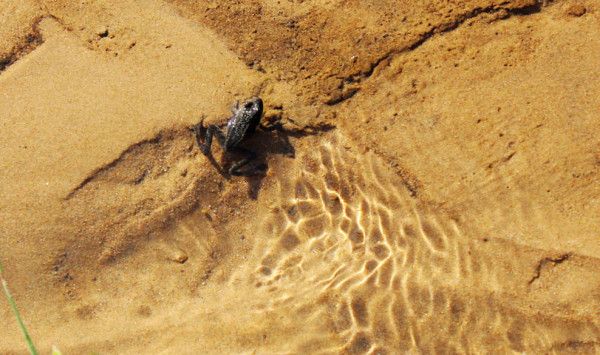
364,267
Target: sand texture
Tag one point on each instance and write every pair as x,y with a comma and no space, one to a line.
432,179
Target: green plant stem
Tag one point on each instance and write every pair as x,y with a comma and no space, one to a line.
13,306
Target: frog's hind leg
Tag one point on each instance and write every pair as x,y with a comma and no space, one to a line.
235,167
211,131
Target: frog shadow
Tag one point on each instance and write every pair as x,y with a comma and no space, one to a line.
265,142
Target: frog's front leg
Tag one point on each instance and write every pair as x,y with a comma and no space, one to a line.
235,107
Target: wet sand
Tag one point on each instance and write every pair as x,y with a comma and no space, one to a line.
432,182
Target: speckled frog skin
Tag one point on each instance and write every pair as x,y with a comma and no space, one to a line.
242,124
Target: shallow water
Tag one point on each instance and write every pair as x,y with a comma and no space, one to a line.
344,258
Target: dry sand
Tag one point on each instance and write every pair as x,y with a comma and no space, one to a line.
434,185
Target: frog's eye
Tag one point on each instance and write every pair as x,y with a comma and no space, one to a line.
248,105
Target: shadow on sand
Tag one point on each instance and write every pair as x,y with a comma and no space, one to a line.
269,140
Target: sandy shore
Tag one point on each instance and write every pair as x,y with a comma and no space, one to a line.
432,182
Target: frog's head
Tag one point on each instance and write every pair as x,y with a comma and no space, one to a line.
253,105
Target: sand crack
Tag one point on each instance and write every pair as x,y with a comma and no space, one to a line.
543,263
31,41
349,85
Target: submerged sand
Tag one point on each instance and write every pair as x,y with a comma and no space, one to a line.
432,183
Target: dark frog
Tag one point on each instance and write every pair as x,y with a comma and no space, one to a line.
241,125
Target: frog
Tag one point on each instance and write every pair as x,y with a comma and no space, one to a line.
240,126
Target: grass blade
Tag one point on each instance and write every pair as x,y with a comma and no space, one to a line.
13,306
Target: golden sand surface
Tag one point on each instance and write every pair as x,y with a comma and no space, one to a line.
432,182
